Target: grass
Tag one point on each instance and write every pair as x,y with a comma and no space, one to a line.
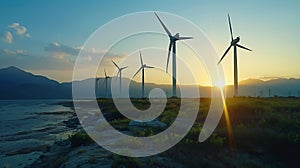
266,128
266,133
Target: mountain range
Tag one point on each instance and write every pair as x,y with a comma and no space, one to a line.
19,84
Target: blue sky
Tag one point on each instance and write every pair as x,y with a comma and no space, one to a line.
55,30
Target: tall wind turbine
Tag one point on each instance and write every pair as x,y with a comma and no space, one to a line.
234,43
119,73
172,44
143,66
106,78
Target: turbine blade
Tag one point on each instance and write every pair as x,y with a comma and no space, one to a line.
141,59
170,47
230,27
148,66
124,67
137,72
185,38
115,64
225,54
243,47
163,25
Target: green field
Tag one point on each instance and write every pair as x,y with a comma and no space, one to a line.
265,133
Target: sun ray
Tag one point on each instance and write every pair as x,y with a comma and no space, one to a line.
227,119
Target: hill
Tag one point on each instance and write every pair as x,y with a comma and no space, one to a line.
19,84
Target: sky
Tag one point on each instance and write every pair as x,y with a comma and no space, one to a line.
44,37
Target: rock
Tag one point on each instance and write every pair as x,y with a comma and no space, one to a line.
41,148
63,143
72,123
54,156
88,156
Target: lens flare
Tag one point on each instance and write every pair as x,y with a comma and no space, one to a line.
221,84
227,118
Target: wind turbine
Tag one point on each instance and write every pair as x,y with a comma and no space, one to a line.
172,44
143,66
106,78
119,73
234,43
97,86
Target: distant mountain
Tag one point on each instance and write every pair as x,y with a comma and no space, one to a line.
251,82
18,84
275,87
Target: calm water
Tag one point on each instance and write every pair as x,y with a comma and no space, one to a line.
30,123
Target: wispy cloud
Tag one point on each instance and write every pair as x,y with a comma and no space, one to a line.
20,29
60,63
8,37
61,51
23,59
13,52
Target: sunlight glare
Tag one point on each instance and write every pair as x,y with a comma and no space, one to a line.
221,84
227,118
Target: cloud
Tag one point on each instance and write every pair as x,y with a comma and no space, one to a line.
28,35
21,58
60,63
61,51
20,30
8,37
90,56
13,52
97,52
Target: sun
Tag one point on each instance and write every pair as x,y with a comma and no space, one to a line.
220,84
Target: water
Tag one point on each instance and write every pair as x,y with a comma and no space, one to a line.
30,123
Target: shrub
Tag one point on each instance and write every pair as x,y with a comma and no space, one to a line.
80,138
216,140
126,162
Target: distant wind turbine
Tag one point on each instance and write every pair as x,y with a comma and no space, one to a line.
106,78
234,43
97,86
172,44
143,66
119,73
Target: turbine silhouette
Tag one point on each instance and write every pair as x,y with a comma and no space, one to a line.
119,73
172,44
143,66
106,78
97,86
234,43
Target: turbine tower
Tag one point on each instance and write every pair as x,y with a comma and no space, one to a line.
106,78
97,86
119,73
143,66
172,44
234,44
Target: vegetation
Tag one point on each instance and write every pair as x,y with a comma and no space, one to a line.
80,138
122,161
265,133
